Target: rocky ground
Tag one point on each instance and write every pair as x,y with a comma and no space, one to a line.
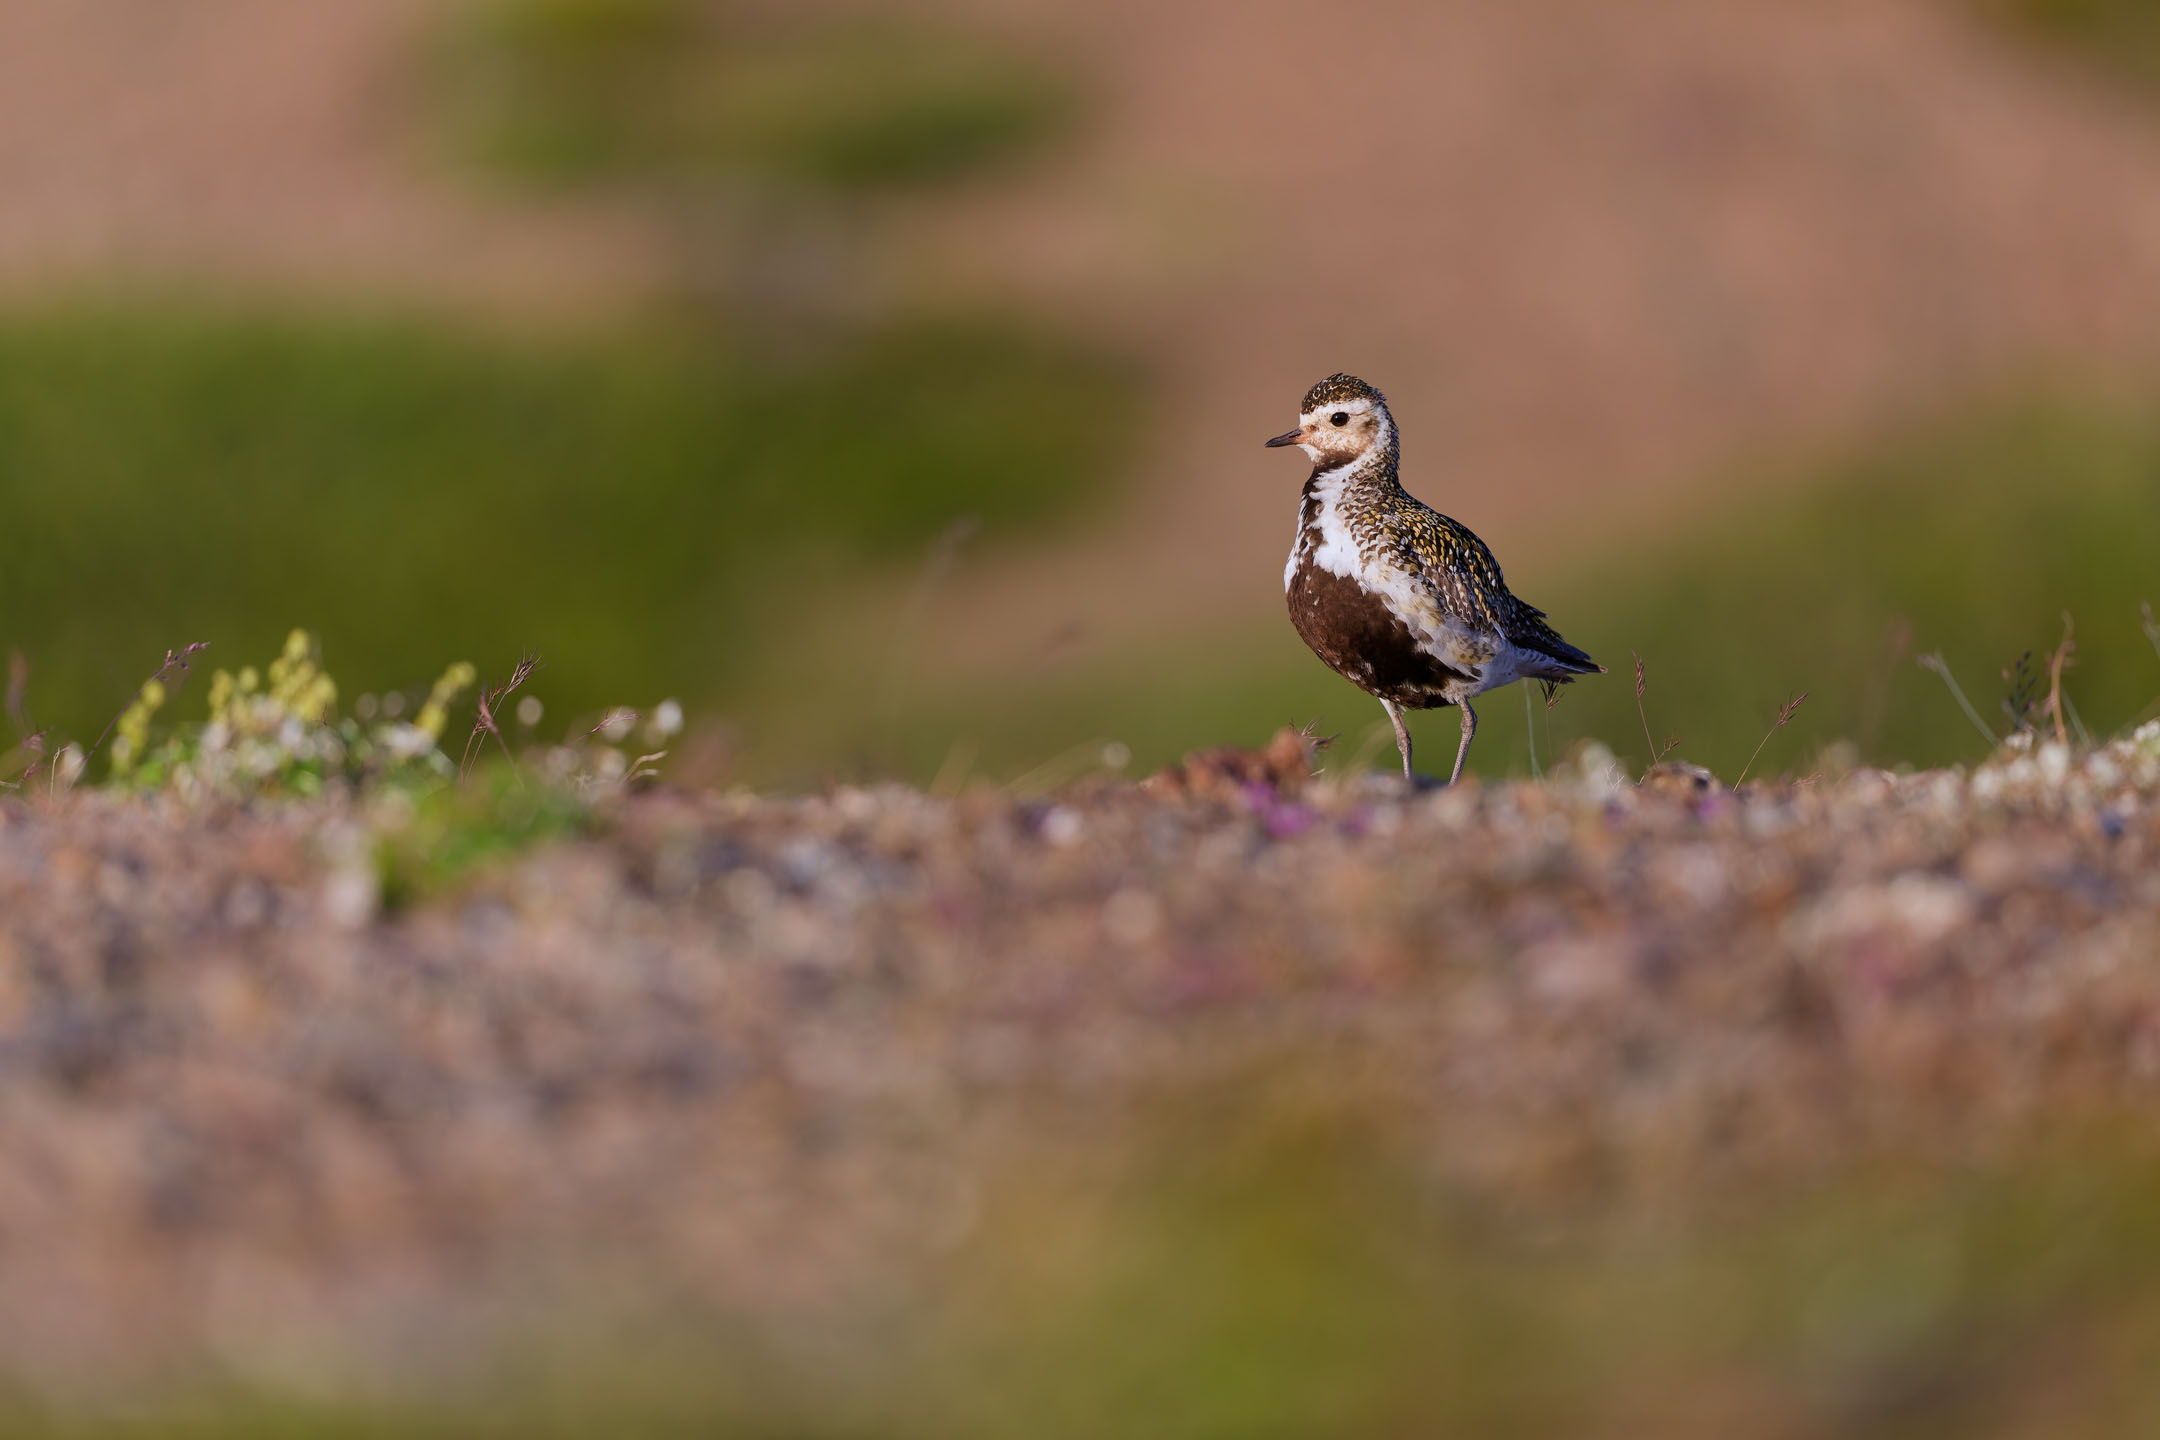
815,1066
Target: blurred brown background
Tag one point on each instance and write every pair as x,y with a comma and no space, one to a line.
1775,343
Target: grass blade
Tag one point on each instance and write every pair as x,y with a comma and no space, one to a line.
1934,661
1785,713
1529,720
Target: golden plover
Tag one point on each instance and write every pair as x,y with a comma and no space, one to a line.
1399,600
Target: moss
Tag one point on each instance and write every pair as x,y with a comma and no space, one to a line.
428,841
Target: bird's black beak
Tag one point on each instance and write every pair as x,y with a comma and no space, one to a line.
1288,438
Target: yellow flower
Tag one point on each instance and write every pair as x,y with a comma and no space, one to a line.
314,700
436,712
221,694
133,730
293,674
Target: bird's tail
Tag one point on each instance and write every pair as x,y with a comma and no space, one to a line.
1565,661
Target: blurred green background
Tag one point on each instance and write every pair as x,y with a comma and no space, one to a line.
886,382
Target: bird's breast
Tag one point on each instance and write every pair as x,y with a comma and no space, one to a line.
1324,540
1360,631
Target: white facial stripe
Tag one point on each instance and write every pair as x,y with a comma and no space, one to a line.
1345,407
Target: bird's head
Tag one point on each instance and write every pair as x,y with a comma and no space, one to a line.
1343,419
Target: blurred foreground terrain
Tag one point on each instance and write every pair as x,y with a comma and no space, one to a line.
1235,1103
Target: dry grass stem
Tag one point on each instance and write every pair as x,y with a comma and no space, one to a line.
1642,687
1784,716
486,706
2059,661
176,664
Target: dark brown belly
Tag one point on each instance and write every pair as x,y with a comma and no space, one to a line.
1362,641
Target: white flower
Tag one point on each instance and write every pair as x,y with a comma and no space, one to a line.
2055,762
406,741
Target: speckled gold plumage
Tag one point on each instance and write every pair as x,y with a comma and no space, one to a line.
1337,388
1464,577
1402,601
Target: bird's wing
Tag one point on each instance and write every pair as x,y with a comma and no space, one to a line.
1472,592
1454,566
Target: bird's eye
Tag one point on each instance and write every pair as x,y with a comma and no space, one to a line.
1340,417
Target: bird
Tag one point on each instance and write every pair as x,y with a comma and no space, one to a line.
1398,599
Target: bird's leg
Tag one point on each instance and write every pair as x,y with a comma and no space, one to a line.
1462,751
1402,735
